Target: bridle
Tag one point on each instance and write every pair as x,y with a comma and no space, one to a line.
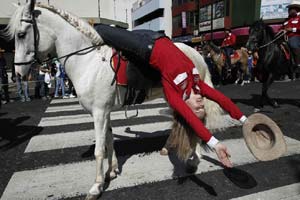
277,37
36,38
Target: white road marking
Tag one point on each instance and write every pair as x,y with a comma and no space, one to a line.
75,179
70,100
86,118
52,109
84,138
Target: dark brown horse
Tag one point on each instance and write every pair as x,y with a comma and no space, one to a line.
272,61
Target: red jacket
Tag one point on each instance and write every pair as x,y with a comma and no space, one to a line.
179,76
294,23
229,40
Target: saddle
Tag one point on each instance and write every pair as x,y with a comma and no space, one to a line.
286,50
235,55
135,78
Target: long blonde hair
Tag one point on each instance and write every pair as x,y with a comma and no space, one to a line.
182,138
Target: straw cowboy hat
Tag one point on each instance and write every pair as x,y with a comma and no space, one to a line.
294,4
263,137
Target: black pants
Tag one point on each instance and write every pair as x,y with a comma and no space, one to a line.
136,45
4,88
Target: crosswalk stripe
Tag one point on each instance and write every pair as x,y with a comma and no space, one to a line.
87,137
59,181
84,138
52,109
288,192
57,101
85,118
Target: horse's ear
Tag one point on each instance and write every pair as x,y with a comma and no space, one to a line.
29,8
31,5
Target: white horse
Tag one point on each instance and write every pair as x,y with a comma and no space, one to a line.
40,29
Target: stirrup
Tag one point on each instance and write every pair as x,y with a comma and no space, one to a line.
133,116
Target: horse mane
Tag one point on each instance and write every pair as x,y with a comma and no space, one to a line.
260,24
9,32
73,20
76,22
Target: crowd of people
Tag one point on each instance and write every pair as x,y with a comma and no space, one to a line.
47,80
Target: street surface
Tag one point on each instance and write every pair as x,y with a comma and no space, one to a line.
46,152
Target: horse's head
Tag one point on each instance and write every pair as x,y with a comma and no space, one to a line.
28,34
210,47
255,35
259,34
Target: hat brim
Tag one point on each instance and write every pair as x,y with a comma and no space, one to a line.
293,6
263,137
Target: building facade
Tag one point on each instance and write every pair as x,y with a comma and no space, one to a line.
215,15
153,15
185,19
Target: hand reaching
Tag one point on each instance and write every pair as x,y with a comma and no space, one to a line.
223,155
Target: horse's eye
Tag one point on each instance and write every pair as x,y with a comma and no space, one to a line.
21,35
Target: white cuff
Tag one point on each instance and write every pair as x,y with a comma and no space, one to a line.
294,30
212,142
243,119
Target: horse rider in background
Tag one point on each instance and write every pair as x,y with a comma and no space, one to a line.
292,26
228,44
179,77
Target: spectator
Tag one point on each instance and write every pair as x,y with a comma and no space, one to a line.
23,93
3,79
59,79
71,91
43,89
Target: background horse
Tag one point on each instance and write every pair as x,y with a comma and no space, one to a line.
239,59
90,71
272,61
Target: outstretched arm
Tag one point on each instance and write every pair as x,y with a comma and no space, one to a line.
222,100
181,107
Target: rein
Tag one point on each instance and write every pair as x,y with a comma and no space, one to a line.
36,43
272,41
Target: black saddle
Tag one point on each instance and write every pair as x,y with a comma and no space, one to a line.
139,83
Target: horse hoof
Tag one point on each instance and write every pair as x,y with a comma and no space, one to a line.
164,151
113,174
91,197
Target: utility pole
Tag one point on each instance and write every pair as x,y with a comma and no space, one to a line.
99,11
211,20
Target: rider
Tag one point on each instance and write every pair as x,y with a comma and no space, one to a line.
179,77
292,26
227,44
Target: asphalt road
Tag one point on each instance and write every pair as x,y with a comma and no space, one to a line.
19,124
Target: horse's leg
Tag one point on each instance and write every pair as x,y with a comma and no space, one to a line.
265,95
112,159
101,121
